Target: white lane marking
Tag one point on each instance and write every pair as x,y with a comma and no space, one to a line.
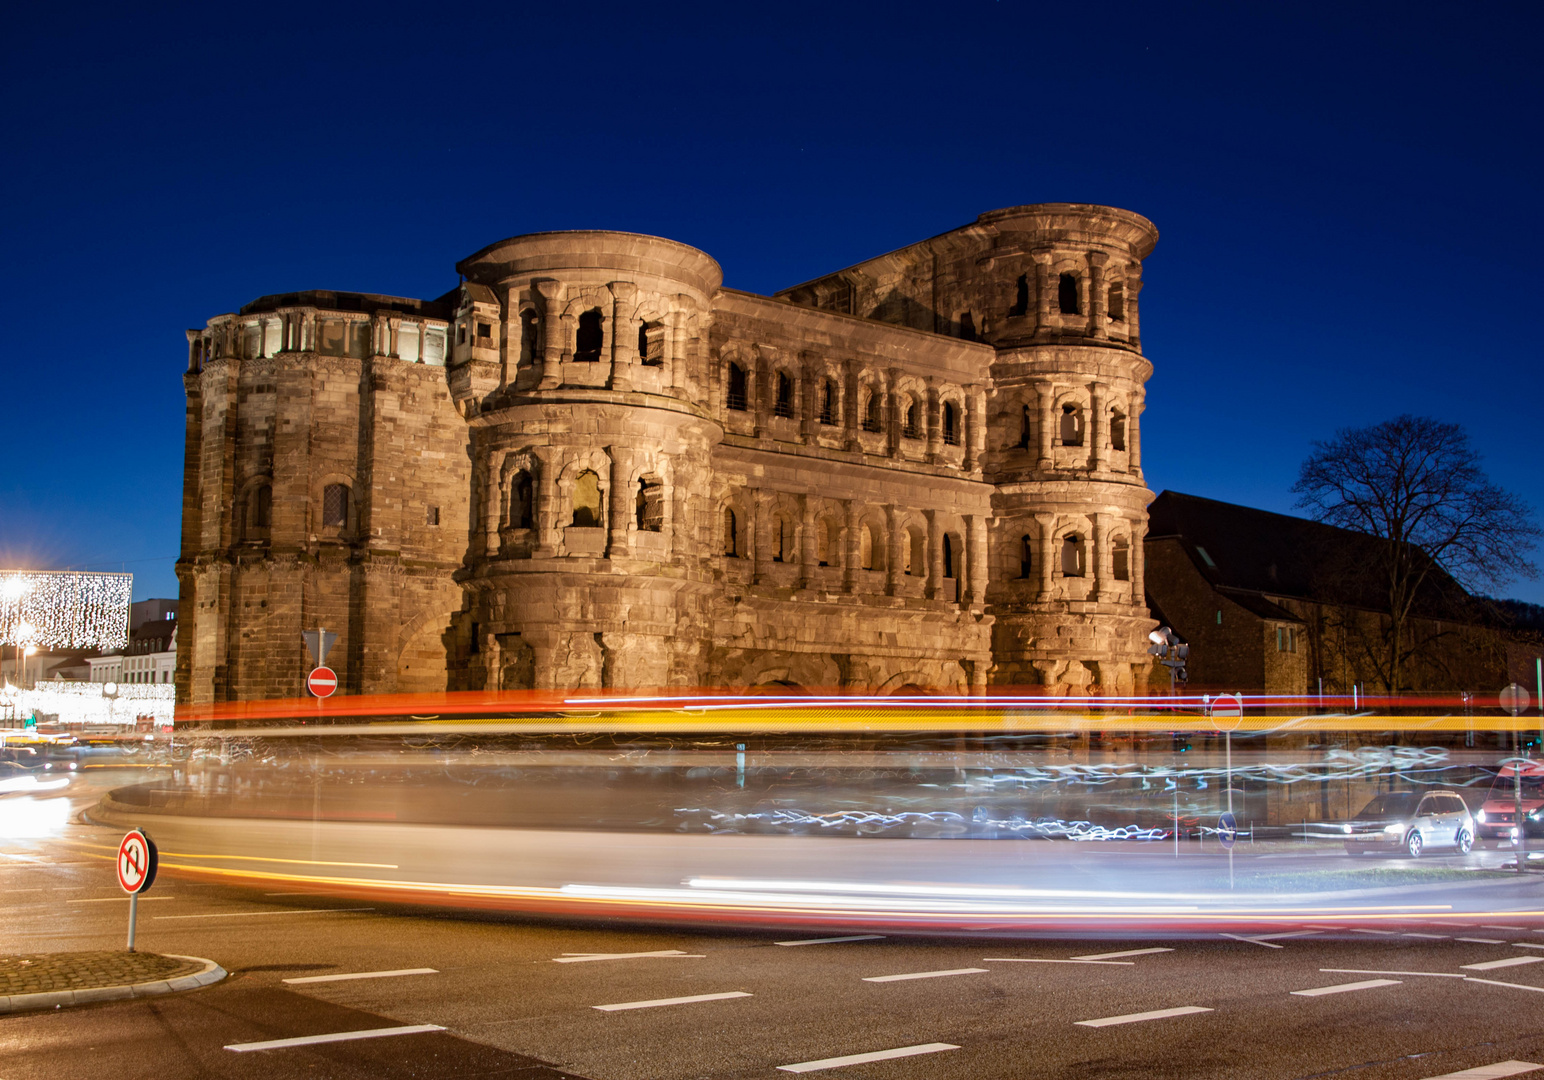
290,911
1491,1072
1480,940
1376,971
1511,961
586,957
1118,955
833,940
1255,941
337,1036
1341,988
862,1059
1488,926
110,899
1037,960
657,1002
925,975
1316,926
1514,986
1137,1018
1526,945
1433,937
363,975
1363,930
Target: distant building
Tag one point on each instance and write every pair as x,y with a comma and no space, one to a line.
144,611
151,655
1286,605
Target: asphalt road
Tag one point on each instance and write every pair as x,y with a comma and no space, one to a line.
524,999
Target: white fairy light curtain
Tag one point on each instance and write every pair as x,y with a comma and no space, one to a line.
64,609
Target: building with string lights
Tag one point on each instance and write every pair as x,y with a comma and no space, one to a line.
590,464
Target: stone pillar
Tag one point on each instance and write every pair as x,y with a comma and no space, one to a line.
766,394
935,556
619,501
1047,523
1134,436
853,547
1099,425
975,564
551,293
395,328
850,417
1098,302
1138,563
897,411
762,547
1133,286
894,557
933,418
548,529
807,559
624,334
492,504
675,351
975,437
1099,555
1042,291
493,661
1047,403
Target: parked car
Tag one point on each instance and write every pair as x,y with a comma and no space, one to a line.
1497,817
1411,822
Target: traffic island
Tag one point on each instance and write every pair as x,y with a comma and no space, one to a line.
56,980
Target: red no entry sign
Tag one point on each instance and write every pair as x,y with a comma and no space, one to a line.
136,862
322,681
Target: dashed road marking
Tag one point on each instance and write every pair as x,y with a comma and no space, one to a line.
1513,986
363,975
658,1002
1433,937
110,899
1375,971
925,975
1481,940
832,940
1118,955
1489,926
337,1036
863,1059
251,914
1526,945
1491,1072
585,958
1039,960
1511,961
1342,988
1365,930
1137,1018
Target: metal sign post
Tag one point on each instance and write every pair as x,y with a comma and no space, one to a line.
1229,709
137,864
1514,699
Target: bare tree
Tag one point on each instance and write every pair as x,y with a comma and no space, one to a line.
1415,485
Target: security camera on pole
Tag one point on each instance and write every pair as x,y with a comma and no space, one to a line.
322,682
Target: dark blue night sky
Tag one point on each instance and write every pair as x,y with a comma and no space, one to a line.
1349,199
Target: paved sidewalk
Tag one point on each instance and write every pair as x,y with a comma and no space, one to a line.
43,973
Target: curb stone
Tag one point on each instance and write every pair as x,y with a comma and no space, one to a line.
211,973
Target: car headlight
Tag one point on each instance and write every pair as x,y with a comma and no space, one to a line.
1480,817
1535,815
1394,829
1346,829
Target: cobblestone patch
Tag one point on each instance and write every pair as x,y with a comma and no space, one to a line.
42,973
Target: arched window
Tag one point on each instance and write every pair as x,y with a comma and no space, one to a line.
1122,556
825,542
784,403
916,553
737,400
260,507
530,329
871,548
1072,555
1024,428
951,424
1117,430
828,400
335,499
522,501
1071,426
651,344
948,553
590,338
1117,306
871,420
967,326
731,534
1067,294
1026,557
587,500
649,505
911,428
1021,298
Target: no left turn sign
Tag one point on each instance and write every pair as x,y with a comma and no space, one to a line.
137,861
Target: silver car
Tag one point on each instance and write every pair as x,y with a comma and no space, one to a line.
1412,822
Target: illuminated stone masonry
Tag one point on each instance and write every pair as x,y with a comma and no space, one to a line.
590,465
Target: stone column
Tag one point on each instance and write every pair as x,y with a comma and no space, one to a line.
1047,403
619,502
766,393
548,528
935,556
894,558
624,334
395,327
1133,286
675,351
975,562
1099,555
807,559
1047,523
896,411
1134,436
853,547
975,437
761,542
850,417
1042,291
1097,298
493,662
1099,426
492,501
551,293
1138,562
933,417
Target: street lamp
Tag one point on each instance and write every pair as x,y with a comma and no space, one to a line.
1172,653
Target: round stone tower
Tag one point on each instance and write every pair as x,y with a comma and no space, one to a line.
584,382
1057,296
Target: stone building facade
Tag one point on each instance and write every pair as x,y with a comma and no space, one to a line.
591,465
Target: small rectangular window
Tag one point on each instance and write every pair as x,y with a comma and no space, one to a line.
432,516
1207,559
484,332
